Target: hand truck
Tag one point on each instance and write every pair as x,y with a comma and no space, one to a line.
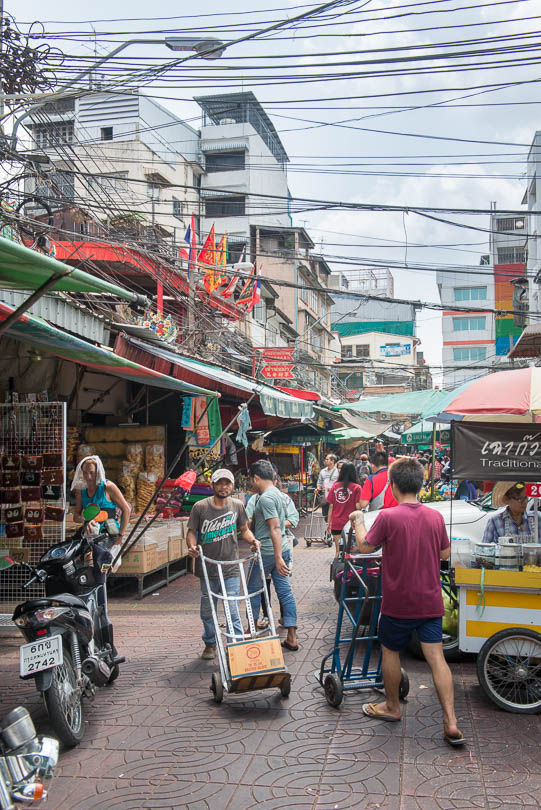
320,534
256,644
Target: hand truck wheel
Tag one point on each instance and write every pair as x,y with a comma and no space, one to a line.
308,543
404,687
334,690
330,541
217,687
285,686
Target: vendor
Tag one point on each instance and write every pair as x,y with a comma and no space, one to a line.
513,520
91,487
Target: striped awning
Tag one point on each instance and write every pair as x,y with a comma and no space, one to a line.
223,147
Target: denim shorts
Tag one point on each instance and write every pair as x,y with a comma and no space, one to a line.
396,633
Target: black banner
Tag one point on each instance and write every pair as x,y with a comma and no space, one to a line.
496,451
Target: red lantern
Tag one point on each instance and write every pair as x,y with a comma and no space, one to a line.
186,480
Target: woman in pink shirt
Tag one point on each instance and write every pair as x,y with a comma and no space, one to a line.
343,499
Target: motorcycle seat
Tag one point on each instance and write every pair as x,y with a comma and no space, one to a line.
63,599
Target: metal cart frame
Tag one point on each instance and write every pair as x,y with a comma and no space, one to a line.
222,682
342,675
322,535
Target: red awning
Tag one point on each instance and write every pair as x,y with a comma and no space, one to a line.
309,396
105,252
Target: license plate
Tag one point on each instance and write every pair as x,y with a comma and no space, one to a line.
41,654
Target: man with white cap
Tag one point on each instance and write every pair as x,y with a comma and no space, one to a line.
513,520
213,524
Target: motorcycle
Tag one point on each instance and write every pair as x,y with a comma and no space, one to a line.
27,763
70,650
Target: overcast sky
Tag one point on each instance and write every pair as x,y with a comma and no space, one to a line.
430,130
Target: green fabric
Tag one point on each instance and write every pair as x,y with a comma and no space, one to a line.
424,403
350,434
422,432
362,327
24,269
215,420
49,339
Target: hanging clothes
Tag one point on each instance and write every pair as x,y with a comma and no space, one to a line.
245,424
186,417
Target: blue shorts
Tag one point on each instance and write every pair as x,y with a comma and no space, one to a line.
395,633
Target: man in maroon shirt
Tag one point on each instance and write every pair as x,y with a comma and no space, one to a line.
413,540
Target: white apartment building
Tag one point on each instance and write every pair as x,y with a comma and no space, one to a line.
532,197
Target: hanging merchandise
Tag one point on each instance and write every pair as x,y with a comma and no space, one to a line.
186,417
230,451
215,420
202,430
244,423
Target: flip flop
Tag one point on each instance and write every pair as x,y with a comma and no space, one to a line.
288,646
454,740
370,709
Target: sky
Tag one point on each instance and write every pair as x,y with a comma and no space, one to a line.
444,133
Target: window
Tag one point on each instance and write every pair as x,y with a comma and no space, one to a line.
225,161
470,353
470,293
177,208
58,186
317,342
153,191
53,134
260,312
469,324
225,207
511,255
363,350
114,183
106,133
235,251
347,352
511,224
324,307
308,296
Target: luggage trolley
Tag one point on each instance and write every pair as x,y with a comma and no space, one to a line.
257,656
316,531
359,602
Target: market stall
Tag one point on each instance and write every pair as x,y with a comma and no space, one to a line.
499,584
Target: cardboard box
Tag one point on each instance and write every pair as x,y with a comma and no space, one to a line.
175,549
255,657
19,554
141,560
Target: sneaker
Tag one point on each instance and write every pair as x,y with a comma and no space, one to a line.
209,652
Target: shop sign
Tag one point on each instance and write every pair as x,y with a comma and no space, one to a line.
533,490
496,451
395,349
278,372
281,353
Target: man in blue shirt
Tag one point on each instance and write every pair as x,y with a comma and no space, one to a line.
269,528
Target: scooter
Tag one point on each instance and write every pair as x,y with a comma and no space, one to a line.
70,650
27,763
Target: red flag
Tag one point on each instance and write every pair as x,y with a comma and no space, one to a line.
235,278
247,292
256,295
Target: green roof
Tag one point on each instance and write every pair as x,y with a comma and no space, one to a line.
24,269
362,327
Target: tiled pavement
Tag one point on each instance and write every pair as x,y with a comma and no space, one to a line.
155,739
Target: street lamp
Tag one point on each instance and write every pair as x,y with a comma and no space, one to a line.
208,48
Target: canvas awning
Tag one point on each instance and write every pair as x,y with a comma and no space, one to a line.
528,344
24,269
273,401
47,338
424,403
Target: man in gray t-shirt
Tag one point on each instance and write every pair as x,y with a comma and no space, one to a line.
213,525
269,527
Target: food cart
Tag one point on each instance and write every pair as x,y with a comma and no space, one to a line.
499,591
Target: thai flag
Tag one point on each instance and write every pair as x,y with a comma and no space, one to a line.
184,252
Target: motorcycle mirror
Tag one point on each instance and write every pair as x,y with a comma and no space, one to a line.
91,511
102,516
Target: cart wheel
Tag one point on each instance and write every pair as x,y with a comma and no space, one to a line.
308,543
404,687
329,541
285,686
334,690
217,687
508,668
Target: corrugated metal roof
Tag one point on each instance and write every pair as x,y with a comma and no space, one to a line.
76,319
223,147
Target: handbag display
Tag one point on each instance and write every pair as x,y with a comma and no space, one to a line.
11,462
55,513
30,494
31,478
13,513
31,462
14,530
51,492
53,476
11,479
33,533
10,495
52,459
33,514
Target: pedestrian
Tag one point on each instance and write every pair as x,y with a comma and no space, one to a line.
343,498
414,540
376,493
270,529
326,478
438,467
91,486
513,520
363,468
291,522
213,524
